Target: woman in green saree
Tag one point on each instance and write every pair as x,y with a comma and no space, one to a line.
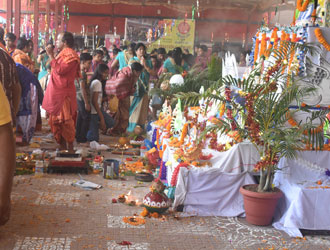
140,102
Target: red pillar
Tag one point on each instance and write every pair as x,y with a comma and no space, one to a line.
9,15
17,17
36,27
48,20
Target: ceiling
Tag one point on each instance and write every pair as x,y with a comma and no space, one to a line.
248,5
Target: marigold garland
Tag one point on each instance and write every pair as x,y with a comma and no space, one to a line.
276,39
293,123
222,109
134,221
273,39
168,127
284,49
184,133
282,40
263,45
321,39
157,137
302,7
283,35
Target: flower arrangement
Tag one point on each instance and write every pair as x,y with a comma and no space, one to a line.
268,91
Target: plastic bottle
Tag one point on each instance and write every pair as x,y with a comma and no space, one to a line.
110,170
39,168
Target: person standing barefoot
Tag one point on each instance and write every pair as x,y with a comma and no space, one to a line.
60,100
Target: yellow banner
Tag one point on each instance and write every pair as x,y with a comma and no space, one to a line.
178,33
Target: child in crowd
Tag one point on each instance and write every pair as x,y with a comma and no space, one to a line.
99,118
97,59
83,99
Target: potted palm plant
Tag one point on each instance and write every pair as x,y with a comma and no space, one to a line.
268,93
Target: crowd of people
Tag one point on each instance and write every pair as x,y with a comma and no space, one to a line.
84,93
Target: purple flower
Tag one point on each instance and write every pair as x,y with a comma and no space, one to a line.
327,172
163,171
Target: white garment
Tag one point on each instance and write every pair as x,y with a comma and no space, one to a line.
96,86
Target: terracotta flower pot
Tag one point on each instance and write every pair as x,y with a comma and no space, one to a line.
260,207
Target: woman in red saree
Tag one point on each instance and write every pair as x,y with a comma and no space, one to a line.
60,98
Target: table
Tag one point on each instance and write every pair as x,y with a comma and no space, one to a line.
240,158
211,192
305,205
214,191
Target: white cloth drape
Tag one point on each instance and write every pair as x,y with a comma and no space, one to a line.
302,206
211,192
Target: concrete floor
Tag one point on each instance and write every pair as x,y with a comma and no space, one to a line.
48,213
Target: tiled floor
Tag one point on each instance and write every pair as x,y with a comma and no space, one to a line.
50,214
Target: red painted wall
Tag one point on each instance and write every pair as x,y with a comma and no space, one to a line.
217,21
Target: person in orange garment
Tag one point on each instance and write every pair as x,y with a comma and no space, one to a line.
21,56
60,100
7,157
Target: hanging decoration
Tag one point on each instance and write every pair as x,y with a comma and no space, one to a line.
256,48
65,15
46,24
321,39
193,9
263,45
197,4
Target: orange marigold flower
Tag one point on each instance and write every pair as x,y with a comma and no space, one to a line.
144,213
155,215
134,221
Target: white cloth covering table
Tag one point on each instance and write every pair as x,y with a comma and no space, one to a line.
215,191
211,192
304,205
240,158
